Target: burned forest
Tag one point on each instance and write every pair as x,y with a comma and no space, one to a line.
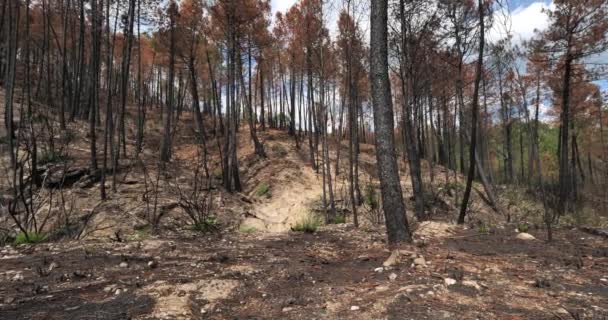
303,159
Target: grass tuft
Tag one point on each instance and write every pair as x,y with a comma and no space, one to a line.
263,189
30,237
247,229
209,224
309,224
51,156
484,229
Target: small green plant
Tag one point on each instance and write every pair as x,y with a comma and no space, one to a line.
371,196
30,237
263,189
206,225
522,227
247,229
141,232
454,186
484,229
51,156
217,173
310,224
279,150
339,219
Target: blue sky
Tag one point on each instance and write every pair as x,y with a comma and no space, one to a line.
526,15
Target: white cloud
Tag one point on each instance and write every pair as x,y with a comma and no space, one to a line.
526,20
280,5
521,22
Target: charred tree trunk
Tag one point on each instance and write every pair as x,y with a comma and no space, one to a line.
392,197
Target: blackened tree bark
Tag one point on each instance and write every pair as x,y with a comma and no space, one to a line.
165,149
406,70
9,73
96,18
259,147
392,197
565,181
126,62
474,107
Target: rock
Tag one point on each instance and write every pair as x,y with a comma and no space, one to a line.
449,281
123,264
363,257
53,265
117,292
9,300
287,309
525,236
472,284
110,288
420,261
354,308
393,259
18,277
379,270
392,276
152,264
381,288
492,270
542,283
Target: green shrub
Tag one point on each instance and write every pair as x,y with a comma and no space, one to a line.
209,224
263,189
247,229
30,237
310,224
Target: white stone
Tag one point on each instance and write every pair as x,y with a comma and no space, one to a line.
354,308
393,259
420,261
471,283
525,236
449,281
